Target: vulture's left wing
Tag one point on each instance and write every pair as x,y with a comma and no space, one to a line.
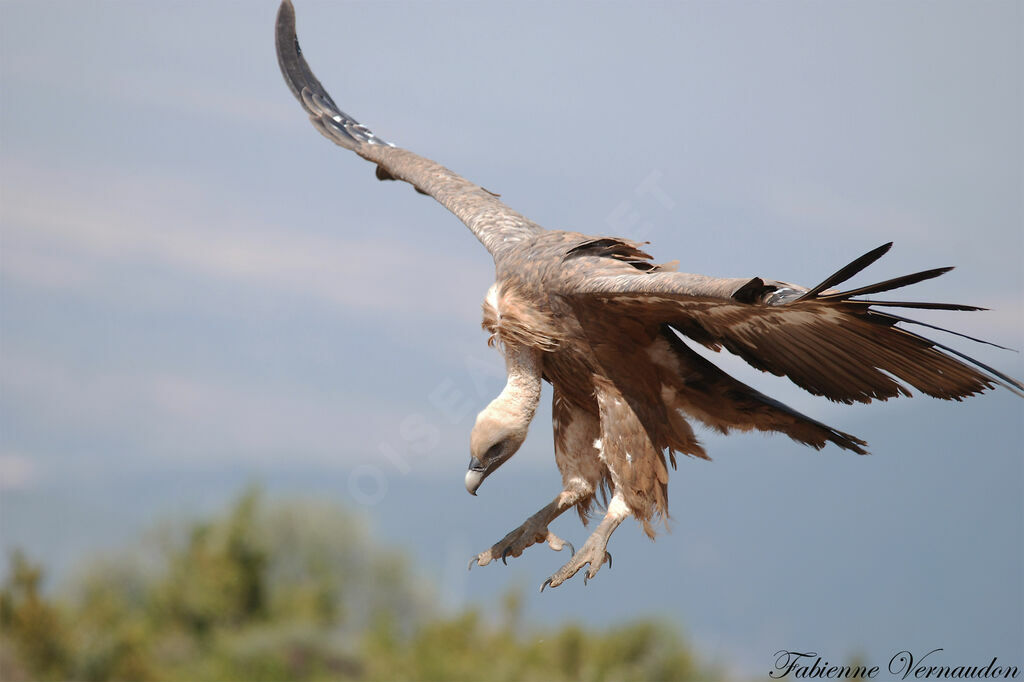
493,223
825,341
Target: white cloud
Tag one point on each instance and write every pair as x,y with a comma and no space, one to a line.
192,418
62,232
17,471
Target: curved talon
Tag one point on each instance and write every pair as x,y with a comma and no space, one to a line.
608,557
505,553
471,562
545,584
585,578
572,550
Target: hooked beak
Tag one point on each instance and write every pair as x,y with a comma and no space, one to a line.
479,470
474,476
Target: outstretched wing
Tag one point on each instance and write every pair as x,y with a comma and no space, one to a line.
494,224
826,342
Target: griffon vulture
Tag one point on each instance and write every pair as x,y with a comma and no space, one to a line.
604,325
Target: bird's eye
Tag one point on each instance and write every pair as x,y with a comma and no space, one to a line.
494,451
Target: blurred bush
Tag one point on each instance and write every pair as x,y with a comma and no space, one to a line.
293,591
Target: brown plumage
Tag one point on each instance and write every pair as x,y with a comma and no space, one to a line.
605,326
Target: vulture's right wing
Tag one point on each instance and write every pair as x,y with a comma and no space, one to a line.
493,223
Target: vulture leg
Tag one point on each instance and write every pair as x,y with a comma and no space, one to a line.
535,529
595,549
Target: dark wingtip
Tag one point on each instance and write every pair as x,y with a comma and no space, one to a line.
294,68
285,12
898,318
888,285
284,27
925,305
287,46
876,253
847,271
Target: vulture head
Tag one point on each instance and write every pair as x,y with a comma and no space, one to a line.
496,436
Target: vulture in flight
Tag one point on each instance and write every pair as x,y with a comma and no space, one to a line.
610,331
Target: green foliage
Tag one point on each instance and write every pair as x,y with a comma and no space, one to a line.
34,626
293,592
217,579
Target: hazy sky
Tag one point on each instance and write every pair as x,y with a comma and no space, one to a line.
193,280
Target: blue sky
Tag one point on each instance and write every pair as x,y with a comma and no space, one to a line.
193,282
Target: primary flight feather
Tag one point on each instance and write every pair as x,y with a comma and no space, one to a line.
608,329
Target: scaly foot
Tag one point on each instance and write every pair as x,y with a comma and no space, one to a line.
593,552
514,543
